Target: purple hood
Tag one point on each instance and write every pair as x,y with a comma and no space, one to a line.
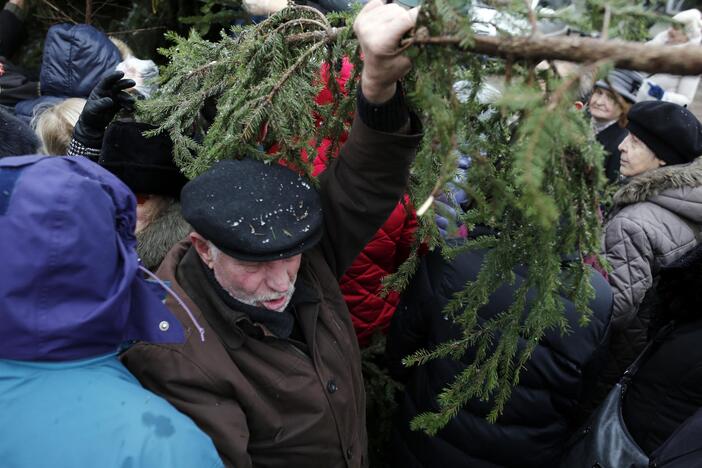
70,286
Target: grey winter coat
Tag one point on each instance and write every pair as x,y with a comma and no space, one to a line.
656,218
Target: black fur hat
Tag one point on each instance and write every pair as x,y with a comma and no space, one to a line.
144,164
16,137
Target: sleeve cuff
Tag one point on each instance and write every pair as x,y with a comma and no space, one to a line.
388,117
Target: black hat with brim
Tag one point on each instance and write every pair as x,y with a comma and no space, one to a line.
254,211
144,164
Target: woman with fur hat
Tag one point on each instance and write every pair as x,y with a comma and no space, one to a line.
656,217
610,100
687,30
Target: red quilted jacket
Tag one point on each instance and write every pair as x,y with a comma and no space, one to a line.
389,247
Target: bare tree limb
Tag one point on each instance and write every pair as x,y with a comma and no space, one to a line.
681,60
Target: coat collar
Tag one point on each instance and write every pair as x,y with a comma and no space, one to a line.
651,183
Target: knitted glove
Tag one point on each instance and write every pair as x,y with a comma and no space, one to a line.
655,91
105,100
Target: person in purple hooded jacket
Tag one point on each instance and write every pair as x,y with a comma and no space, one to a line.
71,296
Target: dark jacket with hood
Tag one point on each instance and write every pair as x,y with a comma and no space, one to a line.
537,418
76,57
269,401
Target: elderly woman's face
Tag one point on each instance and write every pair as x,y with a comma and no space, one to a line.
636,157
603,106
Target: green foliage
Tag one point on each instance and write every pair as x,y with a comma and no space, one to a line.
536,176
213,12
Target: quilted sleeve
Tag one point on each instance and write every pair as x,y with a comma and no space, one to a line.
628,250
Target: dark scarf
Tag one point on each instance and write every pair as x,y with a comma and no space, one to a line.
279,323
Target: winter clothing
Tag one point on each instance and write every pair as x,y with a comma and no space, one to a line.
277,402
11,29
682,449
677,89
92,412
537,418
71,296
101,107
656,219
254,218
69,283
144,164
75,59
16,137
610,138
370,309
161,234
625,83
15,85
672,132
668,387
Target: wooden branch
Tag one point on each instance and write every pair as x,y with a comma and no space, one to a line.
680,60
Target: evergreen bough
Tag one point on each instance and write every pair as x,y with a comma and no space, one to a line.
536,176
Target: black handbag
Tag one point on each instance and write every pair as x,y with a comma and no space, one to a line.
604,441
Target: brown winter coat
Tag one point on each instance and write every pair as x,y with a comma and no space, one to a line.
657,217
263,400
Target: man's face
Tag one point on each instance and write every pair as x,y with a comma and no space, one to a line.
636,157
604,106
261,284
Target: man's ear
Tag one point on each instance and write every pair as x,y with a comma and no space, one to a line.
202,247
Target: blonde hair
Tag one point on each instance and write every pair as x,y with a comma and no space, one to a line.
124,50
54,125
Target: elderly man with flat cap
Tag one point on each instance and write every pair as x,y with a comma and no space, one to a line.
273,374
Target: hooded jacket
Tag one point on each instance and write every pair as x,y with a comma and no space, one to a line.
76,57
656,218
270,401
538,417
71,296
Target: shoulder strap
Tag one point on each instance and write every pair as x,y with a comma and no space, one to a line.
650,346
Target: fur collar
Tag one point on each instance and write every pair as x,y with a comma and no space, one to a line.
160,235
651,183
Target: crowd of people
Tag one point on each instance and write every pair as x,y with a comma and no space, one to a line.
156,321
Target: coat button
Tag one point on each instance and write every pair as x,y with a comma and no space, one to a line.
164,326
349,453
331,386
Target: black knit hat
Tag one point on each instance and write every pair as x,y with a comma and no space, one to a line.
669,130
144,164
254,211
625,83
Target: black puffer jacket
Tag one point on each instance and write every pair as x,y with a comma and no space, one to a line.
667,389
538,417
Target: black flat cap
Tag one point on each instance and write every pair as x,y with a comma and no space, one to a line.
144,164
671,131
254,211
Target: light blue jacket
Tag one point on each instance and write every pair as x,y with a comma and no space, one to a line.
92,413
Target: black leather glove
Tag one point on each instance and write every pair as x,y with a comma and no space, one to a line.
105,100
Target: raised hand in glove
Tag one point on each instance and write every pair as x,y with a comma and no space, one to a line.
105,100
